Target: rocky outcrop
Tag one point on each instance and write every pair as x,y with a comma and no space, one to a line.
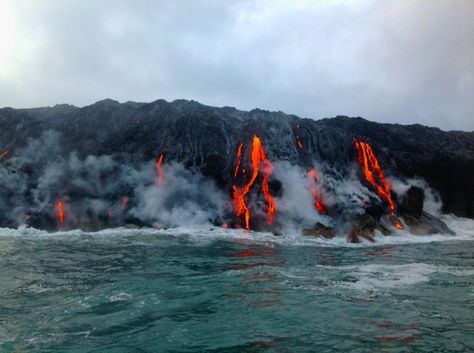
205,139
364,227
412,202
319,230
418,221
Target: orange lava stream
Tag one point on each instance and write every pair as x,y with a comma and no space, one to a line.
4,154
298,143
258,156
318,203
159,171
371,166
123,202
60,211
239,154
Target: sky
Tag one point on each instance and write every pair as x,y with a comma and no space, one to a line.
395,61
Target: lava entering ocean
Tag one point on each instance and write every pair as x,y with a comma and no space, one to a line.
371,166
258,157
60,211
318,203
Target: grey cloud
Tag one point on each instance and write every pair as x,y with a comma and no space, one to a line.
398,61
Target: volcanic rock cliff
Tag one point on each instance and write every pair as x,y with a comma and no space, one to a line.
205,139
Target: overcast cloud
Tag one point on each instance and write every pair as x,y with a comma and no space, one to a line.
406,61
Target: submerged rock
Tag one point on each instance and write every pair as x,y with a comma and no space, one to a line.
131,226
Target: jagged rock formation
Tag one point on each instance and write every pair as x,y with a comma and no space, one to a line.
205,138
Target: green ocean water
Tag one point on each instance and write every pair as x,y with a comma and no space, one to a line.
140,291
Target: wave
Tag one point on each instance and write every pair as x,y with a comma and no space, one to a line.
463,227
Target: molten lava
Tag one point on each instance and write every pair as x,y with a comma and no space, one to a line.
318,203
159,171
373,174
60,211
258,157
4,154
298,142
239,154
123,202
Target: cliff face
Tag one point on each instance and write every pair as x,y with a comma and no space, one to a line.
206,139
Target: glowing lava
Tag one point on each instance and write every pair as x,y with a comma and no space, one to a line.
123,202
4,154
239,154
60,211
159,171
258,157
298,142
373,174
318,203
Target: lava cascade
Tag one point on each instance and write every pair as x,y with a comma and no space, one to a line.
4,154
123,202
299,144
60,211
239,155
159,171
373,174
318,203
258,158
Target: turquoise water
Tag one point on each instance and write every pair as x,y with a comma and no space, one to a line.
145,291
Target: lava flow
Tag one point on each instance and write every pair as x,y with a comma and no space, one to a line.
239,154
258,157
4,154
123,202
371,166
318,203
159,171
298,142
60,211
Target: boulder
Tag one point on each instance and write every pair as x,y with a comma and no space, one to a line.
319,230
364,227
412,203
426,224
418,221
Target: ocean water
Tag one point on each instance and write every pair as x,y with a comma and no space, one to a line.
215,290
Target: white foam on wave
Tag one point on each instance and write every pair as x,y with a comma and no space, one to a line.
381,277
378,277
463,227
369,278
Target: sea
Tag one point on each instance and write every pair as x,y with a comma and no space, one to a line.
208,289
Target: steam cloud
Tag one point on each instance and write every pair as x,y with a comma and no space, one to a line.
100,191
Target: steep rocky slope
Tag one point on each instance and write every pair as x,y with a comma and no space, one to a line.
205,139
